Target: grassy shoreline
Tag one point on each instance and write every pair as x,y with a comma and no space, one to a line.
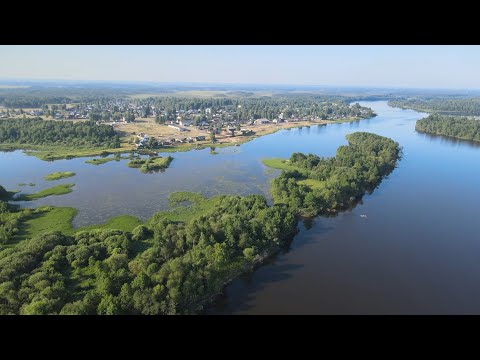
50,153
53,218
105,160
59,175
55,190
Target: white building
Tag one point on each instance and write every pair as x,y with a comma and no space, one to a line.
178,128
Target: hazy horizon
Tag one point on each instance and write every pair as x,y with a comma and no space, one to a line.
392,66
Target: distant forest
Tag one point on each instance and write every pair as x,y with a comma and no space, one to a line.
441,105
458,127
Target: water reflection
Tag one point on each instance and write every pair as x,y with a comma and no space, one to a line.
448,141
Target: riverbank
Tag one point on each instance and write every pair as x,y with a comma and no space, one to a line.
51,153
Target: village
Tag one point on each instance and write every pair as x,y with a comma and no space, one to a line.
150,135
155,123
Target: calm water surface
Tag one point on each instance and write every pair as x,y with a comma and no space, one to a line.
417,252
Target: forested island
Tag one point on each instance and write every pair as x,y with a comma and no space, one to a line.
179,260
153,163
441,105
458,127
310,185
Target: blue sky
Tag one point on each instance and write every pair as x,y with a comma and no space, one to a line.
390,66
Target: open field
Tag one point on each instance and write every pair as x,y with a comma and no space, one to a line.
151,128
52,218
48,219
281,164
122,222
187,206
284,164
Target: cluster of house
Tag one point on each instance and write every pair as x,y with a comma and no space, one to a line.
143,139
36,112
278,120
71,115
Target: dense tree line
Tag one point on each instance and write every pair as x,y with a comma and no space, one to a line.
441,105
338,181
38,96
10,217
36,131
459,127
162,268
19,101
10,222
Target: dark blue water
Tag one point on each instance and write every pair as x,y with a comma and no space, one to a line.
417,252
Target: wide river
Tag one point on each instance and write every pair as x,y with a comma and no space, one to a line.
416,252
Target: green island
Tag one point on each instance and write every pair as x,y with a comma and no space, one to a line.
153,163
26,184
311,185
453,126
101,160
59,175
179,260
55,190
104,160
